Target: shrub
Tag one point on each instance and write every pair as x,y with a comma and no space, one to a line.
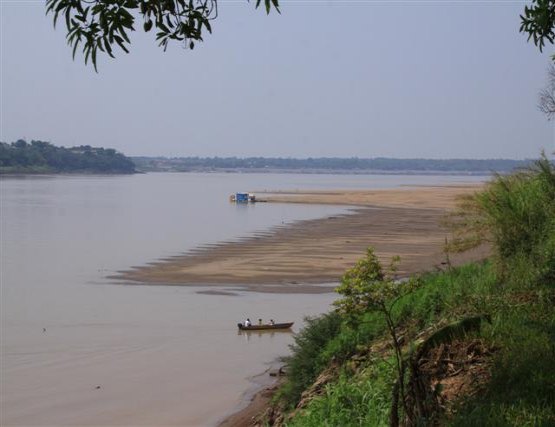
520,213
305,362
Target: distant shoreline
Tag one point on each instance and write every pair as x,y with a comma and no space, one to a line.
20,173
38,172
41,157
325,171
327,165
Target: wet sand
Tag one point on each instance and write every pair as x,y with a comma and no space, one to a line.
256,407
301,256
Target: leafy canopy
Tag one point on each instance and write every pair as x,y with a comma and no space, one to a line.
97,25
538,21
365,287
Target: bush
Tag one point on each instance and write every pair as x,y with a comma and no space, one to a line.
520,214
305,363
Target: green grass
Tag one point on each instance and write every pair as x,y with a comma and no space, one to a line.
359,401
522,389
519,211
516,290
307,360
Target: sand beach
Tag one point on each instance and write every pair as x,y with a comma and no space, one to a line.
303,256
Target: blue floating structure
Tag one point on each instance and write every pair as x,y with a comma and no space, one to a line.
243,198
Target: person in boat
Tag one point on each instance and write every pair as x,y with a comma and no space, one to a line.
260,322
248,322
272,322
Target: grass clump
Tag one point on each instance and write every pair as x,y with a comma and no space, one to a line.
357,401
521,391
516,213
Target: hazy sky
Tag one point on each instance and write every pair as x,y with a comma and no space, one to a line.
325,78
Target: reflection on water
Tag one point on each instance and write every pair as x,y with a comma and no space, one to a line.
270,333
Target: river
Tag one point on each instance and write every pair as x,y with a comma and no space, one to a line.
79,349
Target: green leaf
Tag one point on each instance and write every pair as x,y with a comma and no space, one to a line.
108,47
50,4
147,26
170,25
61,5
124,35
87,50
161,25
76,43
208,26
94,58
68,16
119,41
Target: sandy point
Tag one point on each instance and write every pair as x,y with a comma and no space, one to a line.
297,258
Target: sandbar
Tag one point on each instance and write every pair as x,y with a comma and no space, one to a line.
307,255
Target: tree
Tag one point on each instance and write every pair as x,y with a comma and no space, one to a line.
538,21
101,24
97,25
366,288
546,102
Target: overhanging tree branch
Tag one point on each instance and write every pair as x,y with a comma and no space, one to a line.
100,25
538,21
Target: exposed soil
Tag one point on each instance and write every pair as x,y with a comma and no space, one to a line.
450,372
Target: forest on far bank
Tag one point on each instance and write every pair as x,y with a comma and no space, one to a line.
36,157
43,157
328,164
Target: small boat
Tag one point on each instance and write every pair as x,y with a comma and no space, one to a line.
265,326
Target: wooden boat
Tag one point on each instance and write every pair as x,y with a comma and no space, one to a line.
265,326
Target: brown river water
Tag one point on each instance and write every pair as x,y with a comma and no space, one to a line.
79,349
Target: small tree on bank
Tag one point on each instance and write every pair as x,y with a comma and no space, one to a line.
365,288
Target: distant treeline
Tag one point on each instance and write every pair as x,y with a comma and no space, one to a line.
336,164
43,157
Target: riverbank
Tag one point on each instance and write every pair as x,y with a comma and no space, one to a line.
462,347
257,405
398,218
302,256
